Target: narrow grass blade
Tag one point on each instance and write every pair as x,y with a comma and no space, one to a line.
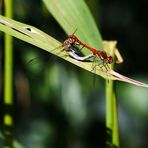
42,40
120,77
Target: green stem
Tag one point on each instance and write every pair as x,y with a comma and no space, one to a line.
115,138
8,80
109,111
111,117
111,114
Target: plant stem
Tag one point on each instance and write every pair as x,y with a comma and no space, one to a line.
8,80
111,113
115,138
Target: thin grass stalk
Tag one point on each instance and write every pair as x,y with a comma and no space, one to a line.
109,112
115,138
111,117
8,80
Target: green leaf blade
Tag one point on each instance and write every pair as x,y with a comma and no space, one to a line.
44,41
72,15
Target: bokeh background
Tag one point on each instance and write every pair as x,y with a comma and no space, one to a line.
60,105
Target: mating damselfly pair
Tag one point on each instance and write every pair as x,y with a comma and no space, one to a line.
73,47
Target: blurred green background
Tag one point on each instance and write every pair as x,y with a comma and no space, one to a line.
60,105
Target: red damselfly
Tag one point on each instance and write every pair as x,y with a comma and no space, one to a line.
102,55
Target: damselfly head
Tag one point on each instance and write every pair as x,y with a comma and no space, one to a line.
68,42
103,56
73,37
109,60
